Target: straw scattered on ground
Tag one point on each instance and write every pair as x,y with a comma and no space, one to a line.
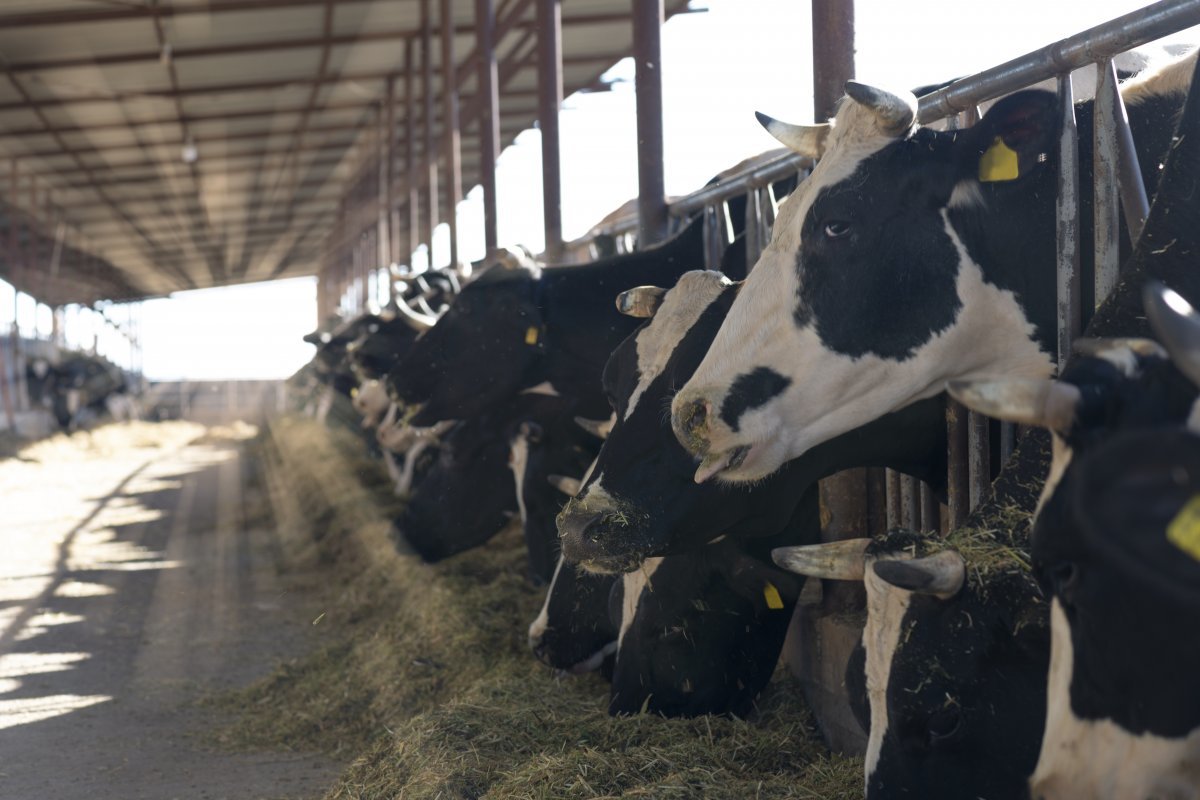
427,683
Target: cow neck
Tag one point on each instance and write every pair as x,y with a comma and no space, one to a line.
580,321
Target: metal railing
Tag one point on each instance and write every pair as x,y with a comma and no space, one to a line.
1117,185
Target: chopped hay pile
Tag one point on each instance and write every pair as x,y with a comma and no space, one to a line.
427,679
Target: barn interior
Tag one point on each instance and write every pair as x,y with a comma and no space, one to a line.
208,593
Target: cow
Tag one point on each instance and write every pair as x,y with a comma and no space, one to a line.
1123,468
641,499
908,258
683,635
954,635
514,330
1116,548
77,384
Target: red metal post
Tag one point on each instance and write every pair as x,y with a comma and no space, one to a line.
647,54
550,97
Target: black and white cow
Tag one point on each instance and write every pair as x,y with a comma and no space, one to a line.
641,500
952,639
514,330
909,257
1124,467
683,635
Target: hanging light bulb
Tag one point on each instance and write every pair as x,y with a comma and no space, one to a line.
189,153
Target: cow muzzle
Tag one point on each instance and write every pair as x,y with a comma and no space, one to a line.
601,539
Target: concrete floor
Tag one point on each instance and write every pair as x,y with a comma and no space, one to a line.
134,581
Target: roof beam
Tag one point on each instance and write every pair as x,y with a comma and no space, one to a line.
134,12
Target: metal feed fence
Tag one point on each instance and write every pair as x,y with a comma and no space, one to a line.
1117,187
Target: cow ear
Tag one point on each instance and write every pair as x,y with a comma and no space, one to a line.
761,583
1014,139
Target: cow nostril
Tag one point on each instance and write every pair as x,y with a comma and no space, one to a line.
693,419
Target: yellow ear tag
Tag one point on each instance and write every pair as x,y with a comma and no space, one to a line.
531,335
999,163
1184,530
771,595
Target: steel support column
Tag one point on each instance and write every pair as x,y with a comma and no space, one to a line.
833,53
451,134
410,154
429,150
647,55
387,174
1067,213
1105,165
550,97
489,117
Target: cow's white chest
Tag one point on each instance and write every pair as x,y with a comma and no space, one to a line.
634,583
1096,758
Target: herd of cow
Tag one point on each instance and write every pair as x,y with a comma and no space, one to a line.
76,387
665,458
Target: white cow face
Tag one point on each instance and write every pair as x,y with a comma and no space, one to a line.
896,266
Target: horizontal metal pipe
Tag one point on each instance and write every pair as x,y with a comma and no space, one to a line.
1103,41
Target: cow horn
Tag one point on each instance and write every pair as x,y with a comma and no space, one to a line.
941,575
568,486
640,301
599,428
807,140
1177,324
1099,347
842,560
415,319
1046,403
895,112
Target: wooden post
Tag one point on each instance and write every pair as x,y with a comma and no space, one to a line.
489,118
451,134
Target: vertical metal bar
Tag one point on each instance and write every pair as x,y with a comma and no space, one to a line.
410,151
387,157
550,97
451,132
389,178
714,235
489,117
1008,440
893,499
929,509
958,474
1105,165
833,53
429,150
910,502
978,458
1067,214
1133,191
647,55
752,229
6,395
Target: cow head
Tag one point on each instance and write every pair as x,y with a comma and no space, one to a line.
642,500
948,646
574,630
1116,549
700,632
476,355
908,257
466,497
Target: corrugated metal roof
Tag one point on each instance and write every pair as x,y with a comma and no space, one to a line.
280,97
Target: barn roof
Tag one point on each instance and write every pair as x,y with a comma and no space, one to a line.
279,98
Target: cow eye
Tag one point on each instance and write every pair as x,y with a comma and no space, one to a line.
837,229
1064,575
944,725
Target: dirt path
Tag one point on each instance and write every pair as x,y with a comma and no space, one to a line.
133,581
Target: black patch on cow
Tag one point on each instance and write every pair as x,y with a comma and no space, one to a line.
877,270
1129,594
752,390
